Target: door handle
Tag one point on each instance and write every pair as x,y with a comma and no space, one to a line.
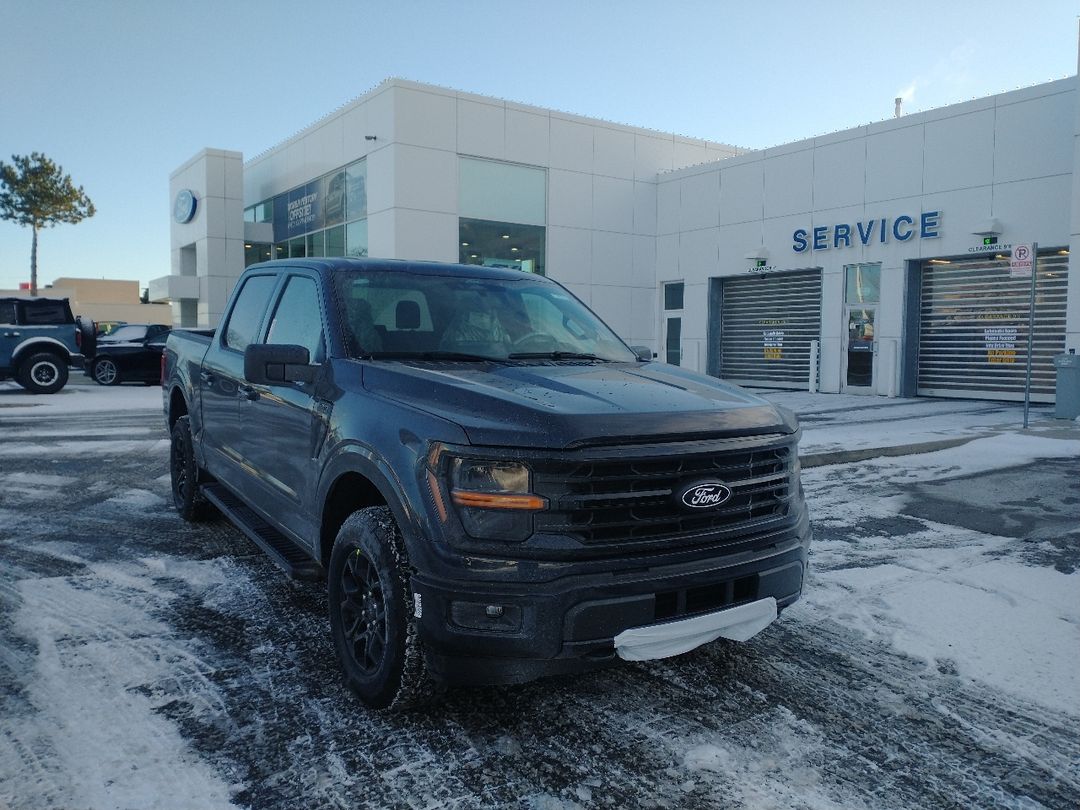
247,392
11,334
206,378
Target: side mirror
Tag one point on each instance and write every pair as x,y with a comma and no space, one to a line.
643,353
277,364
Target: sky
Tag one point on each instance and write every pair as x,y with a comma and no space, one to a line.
121,93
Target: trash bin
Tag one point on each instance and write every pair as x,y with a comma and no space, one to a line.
1068,386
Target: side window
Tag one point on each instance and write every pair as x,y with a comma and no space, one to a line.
7,312
248,311
297,319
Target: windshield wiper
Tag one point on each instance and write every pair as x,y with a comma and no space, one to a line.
438,355
555,356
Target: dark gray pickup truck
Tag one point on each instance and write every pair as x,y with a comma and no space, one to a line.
495,485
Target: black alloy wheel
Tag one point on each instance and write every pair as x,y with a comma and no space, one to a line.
184,474
106,372
363,612
374,617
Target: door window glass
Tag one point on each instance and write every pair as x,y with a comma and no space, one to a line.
862,283
673,343
7,312
860,351
297,320
248,311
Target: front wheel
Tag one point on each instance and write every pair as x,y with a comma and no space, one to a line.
372,613
184,474
43,373
105,371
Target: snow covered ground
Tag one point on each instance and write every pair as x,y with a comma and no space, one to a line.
933,662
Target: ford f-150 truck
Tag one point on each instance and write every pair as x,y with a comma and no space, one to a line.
494,485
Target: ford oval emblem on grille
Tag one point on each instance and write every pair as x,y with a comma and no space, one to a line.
705,495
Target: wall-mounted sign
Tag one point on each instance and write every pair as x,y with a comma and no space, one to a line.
1021,261
1000,343
184,206
990,247
881,231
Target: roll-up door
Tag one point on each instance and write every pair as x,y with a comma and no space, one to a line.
974,328
766,324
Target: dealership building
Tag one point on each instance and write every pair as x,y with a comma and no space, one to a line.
872,260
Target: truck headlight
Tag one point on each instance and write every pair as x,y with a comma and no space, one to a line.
493,498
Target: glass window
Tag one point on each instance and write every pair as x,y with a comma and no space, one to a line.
7,312
46,313
131,333
315,244
504,192
335,241
673,296
264,211
249,214
356,191
281,250
297,319
256,252
334,198
297,248
356,239
248,311
673,341
863,283
501,244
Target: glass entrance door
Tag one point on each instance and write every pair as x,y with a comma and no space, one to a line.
860,346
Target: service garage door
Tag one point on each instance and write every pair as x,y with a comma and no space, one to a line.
973,328
767,322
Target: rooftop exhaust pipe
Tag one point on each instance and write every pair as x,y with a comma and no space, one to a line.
899,107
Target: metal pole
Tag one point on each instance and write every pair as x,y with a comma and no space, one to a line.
1031,329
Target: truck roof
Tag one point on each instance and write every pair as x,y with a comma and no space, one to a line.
28,299
332,264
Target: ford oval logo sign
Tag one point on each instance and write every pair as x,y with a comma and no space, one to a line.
705,495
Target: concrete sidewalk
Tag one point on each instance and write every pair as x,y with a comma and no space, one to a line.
842,428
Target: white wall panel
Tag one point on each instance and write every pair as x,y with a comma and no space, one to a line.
894,164
613,153
481,129
699,201
839,174
741,187
613,204
426,236
570,198
644,208
667,206
425,119
527,138
959,152
789,183
652,154
571,145
426,179
1034,138
569,254
612,258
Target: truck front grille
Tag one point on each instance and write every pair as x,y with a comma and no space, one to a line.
634,499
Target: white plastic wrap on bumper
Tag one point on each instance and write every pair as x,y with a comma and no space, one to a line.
674,638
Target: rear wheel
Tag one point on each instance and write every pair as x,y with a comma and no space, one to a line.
372,614
184,474
105,371
43,373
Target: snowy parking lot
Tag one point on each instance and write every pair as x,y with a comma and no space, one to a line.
934,660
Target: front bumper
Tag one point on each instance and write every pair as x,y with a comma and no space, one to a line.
492,633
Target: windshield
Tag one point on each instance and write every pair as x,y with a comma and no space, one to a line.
398,315
127,334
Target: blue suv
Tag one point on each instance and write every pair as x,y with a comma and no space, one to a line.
39,339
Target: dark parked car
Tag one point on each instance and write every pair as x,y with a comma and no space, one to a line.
130,353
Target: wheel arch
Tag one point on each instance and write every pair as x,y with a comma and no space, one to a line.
41,344
353,480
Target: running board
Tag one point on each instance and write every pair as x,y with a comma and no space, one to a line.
292,559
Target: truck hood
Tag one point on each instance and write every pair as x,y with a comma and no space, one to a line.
566,405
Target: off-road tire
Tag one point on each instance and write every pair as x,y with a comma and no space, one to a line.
370,541
43,373
184,475
101,371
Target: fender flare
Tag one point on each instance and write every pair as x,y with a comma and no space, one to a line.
45,343
354,457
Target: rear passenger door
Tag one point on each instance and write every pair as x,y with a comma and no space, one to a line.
222,386
284,429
